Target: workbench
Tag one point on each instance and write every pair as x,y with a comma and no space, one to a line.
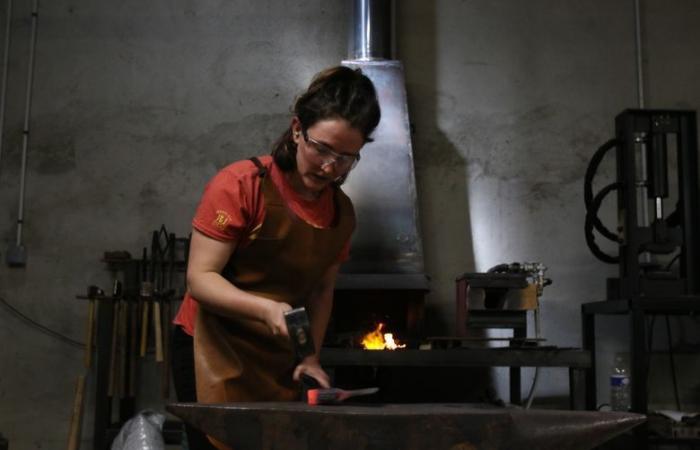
576,360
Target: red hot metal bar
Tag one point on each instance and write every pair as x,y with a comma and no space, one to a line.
297,426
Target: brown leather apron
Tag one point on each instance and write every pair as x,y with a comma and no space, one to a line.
239,360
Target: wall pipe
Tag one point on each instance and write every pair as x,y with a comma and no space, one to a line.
5,62
638,44
16,255
643,216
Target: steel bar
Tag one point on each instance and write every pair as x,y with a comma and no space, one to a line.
298,426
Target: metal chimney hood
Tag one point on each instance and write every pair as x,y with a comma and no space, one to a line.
383,187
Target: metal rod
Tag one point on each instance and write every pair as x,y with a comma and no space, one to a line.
659,208
638,42
643,205
535,380
25,131
5,62
641,182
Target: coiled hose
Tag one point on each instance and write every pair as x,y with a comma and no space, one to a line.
593,205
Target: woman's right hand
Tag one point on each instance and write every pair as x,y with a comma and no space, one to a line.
274,318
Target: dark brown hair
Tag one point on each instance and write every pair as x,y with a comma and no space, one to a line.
335,93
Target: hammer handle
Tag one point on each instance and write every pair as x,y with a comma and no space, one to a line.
165,375
144,327
90,332
77,416
158,331
113,354
133,338
122,373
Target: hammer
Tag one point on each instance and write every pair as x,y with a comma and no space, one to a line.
92,294
299,329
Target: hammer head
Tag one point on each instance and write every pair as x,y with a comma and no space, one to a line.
300,332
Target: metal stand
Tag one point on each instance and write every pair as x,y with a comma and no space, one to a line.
493,312
649,244
636,311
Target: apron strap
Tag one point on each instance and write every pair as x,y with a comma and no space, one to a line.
262,170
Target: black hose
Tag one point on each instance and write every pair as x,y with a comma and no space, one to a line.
591,170
498,268
37,326
591,216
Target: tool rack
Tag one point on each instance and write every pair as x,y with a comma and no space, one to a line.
132,323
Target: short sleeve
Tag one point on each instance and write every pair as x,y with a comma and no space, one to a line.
226,207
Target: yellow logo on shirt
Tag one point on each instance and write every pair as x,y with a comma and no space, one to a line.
222,219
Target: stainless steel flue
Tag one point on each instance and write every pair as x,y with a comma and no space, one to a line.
372,30
383,186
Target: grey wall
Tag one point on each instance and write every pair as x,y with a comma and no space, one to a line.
136,105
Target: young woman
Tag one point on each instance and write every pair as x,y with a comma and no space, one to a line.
269,235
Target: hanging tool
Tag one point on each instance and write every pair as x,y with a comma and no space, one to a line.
77,415
167,313
122,346
113,368
133,335
156,280
145,294
92,293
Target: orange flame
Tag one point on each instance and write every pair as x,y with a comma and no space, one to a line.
376,340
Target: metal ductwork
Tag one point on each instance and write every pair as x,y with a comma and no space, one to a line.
383,187
372,30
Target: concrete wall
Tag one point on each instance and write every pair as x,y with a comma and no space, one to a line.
136,105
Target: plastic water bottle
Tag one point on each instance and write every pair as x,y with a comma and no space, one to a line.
620,385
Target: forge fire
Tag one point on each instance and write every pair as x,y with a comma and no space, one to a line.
376,340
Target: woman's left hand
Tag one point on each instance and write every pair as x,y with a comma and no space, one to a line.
311,367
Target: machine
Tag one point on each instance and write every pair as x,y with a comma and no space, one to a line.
657,205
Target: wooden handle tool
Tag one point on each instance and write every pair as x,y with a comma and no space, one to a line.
158,330
92,294
77,416
146,293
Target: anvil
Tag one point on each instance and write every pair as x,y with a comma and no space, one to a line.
298,426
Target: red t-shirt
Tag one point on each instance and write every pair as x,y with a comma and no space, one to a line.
232,208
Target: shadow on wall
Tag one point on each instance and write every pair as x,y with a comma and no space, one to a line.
440,171
442,188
